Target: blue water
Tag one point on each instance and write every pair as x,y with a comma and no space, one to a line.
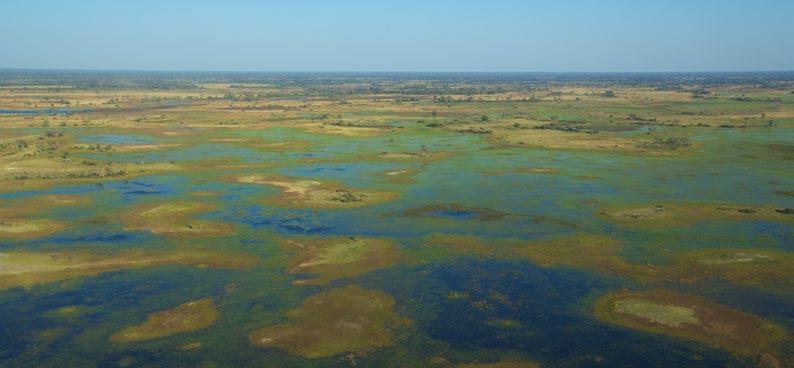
118,139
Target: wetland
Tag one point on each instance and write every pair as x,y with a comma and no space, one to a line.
405,219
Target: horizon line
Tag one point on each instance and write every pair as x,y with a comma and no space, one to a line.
399,71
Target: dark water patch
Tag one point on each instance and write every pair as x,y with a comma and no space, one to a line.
326,168
291,222
162,184
100,238
454,211
146,187
77,189
777,306
143,192
455,214
113,299
354,173
307,155
142,184
230,197
512,306
245,189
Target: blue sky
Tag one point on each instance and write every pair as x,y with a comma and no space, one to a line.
407,35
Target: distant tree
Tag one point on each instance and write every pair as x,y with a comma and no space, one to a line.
608,93
484,118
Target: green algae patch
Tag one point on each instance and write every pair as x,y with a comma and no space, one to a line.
693,318
330,259
455,211
304,193
666,215
33,268
341,320
191,316
175,218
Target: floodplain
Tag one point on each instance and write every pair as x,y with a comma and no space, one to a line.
415,220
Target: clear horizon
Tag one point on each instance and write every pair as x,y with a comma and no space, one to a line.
580,36
397,71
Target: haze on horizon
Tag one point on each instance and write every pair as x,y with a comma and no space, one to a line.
409,35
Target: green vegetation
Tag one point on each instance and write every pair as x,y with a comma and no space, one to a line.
191,316
315,194
33,268
173,219
331,259
694,318
348,319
